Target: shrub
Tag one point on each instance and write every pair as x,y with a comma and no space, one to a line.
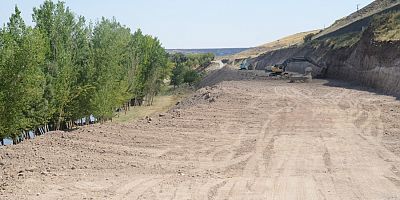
308,37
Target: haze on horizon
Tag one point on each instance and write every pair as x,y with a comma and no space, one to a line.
182,24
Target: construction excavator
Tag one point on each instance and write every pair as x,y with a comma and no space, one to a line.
246,65
280,69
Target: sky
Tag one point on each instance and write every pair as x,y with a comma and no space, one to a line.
206,23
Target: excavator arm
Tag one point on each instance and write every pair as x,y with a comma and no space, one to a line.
304,59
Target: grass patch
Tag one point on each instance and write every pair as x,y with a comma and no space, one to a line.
345,40
161,104
387,27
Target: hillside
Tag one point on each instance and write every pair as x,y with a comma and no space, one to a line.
362,16
349,23
368,55
287,41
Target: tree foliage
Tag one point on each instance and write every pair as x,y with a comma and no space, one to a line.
64,69
187,68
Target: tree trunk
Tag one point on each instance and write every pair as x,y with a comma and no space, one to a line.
69,125
152,100
46,128
23,135
126,106
1,142
58,124
59,121
27,135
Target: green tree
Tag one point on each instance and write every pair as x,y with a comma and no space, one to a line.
188,67
22,80
111,57
178,72
64,69
177,77
191,76
151,67
57,22
83,62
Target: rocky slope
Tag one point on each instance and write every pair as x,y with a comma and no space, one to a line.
358,56
357,20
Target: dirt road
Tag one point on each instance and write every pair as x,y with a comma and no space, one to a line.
245,139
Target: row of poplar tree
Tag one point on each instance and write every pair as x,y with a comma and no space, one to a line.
64,68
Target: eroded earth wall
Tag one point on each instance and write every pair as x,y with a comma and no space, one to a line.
371,63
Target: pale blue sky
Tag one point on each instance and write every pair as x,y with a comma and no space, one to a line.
207,23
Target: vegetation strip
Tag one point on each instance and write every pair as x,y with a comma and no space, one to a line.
64,71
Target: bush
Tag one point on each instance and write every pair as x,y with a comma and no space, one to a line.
187,67
191,76
308,37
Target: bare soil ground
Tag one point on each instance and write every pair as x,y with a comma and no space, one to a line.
248,138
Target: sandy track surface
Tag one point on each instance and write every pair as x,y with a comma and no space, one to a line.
248,139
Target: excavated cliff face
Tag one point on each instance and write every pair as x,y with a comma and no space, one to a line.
371,63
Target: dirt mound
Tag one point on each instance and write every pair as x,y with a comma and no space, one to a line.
229,73
215,77
203,95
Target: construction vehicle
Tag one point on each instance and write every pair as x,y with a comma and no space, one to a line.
245,65
280,69
305,78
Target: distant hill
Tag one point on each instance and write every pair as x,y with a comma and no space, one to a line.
216,52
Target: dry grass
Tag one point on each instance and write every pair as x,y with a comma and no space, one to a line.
387,27
371,9
288,41
346,40
161,104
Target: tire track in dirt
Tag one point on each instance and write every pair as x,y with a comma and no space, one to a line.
259,139
134,189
